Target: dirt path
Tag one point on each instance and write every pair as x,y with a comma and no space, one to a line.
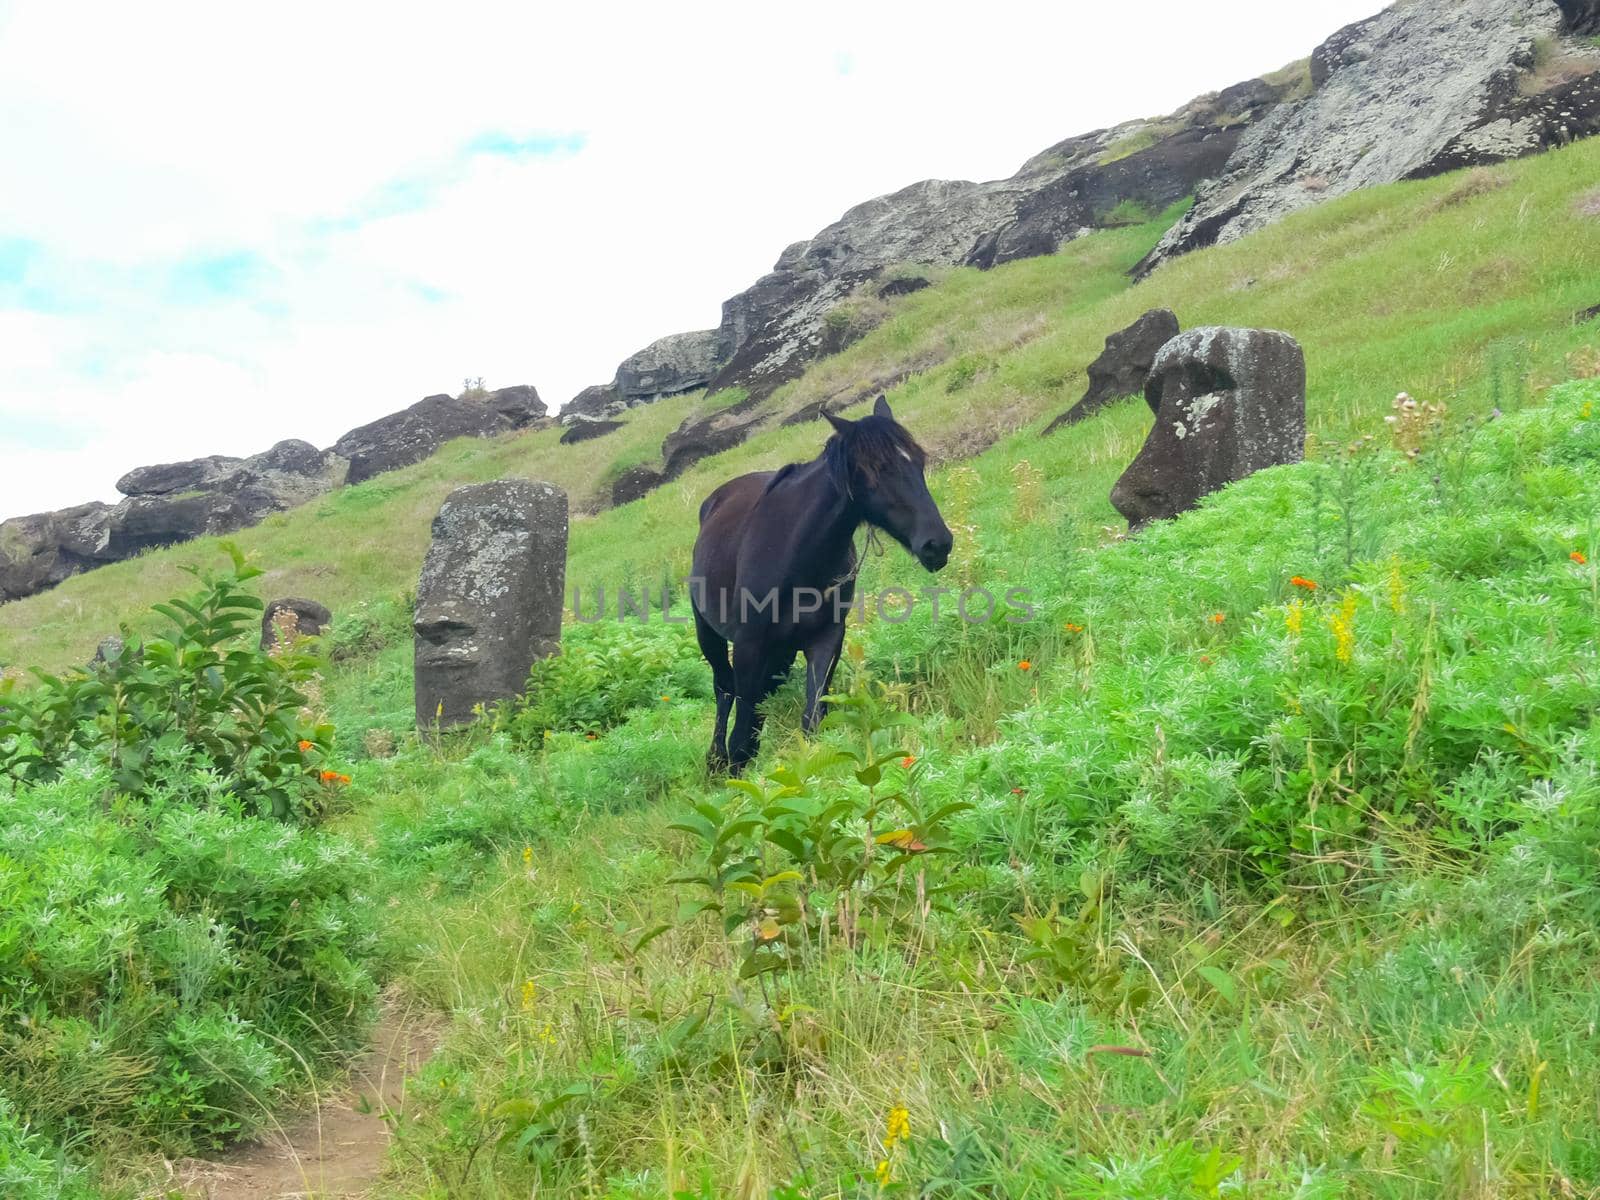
338,1151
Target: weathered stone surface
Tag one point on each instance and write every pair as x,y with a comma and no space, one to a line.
1228,403
701,436
165,478
413,434
109,650
595,403
774,328
518,406
489,597
634,483
1417,89
40,550
582,430
670,366
1123,366
293,615
143,523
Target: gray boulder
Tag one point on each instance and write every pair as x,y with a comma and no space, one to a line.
518,406
40,550
489,597
163,479
295,616
1418,89
594,403
670,366
413,434
1228,403
143,523
1123,366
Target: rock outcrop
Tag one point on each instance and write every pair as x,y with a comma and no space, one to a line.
292,617
489,597
595,403
670,366
1228,403
1123,366
40,550
1418,89
413,434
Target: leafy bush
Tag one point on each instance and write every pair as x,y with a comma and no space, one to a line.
202,703
604,672
165,969
29,1169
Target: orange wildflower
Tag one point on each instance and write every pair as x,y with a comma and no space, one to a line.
1218,618
1071,628
1024,665
909,761
1579,557
332,777
306,747
1300,581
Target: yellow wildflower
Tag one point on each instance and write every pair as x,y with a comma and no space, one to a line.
898,1127
885,1172
529,990
1343,624
527,856
1397,587
1295,617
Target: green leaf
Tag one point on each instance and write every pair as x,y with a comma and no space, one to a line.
1221,981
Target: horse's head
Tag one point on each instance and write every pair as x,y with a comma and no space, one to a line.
880,466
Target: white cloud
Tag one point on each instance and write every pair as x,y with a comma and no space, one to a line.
142,142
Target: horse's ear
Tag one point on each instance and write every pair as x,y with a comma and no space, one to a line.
881,409
839,423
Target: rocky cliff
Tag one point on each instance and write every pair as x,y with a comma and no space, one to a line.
1416,90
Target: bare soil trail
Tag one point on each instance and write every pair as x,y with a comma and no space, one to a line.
337,1152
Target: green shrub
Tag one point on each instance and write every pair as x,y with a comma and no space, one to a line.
167,970
202,704
606,671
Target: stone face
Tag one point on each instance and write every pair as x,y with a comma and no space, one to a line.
489,597
305,618
634,483
582,430
1418,89
1124,365
1228,403
413,434
670,366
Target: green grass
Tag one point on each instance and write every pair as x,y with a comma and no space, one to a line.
1295,903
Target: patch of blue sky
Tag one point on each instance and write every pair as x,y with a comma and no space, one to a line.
30,431
420,190
16,256
208,277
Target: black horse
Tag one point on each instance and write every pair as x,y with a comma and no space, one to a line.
775,566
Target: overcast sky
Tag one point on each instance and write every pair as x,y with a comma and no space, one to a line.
222,225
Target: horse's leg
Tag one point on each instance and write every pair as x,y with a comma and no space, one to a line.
755,676
715,648
822,656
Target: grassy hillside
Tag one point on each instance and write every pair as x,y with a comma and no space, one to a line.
1451,288
1263,862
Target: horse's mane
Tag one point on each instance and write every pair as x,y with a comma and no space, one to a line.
869,445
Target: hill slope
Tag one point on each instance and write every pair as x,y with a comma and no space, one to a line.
1434,287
